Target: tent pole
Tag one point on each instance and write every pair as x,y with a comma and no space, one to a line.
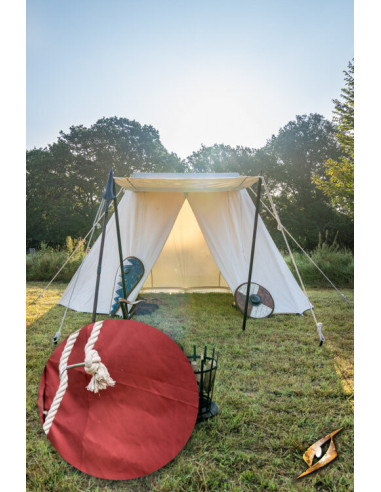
122,305
257,205
108,195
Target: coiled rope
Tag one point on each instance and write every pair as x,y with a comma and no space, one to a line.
101,378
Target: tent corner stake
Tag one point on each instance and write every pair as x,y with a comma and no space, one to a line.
257,205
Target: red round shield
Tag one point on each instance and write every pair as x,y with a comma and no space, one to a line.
134,427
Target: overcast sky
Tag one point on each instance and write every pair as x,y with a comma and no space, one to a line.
208,71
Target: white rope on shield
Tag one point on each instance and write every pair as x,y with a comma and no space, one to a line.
63,382
101,378
93,365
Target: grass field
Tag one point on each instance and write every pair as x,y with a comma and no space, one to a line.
278,393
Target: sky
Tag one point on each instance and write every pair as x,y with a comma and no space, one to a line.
200,72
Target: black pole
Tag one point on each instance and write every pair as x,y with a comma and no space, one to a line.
122,305
257,205
108,195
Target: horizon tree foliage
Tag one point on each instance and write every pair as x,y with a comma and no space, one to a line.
288,161
338,182
65,181
221,158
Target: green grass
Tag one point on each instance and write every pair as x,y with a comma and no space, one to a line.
336,263
278,393
46,261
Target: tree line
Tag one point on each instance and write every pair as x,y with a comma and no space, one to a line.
308,166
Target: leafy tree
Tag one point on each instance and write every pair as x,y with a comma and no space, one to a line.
55,206
338,182
222,159
66,180
289,161
125,145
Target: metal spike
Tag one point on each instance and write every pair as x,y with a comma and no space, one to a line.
109,193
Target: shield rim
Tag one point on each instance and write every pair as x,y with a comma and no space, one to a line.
259,285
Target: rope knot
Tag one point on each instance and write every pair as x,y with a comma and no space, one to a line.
101,378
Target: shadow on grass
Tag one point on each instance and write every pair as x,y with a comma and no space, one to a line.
278,393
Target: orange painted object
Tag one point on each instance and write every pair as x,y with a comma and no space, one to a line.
316,450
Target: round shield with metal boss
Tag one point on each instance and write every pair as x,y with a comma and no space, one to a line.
261,303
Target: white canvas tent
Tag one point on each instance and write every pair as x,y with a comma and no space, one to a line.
193,232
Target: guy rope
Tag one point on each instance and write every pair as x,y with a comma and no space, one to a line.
283,230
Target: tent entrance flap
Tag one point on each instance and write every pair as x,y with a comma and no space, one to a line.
185,263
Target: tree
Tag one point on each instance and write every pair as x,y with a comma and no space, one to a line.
125,145
66,180
289,161
222,159
338,182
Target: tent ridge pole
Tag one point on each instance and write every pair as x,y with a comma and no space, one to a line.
257,205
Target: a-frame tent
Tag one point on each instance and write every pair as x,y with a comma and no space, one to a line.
192,232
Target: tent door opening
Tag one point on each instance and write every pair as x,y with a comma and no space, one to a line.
185,263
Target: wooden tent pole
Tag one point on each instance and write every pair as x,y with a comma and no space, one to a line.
122,305
257,205
108,195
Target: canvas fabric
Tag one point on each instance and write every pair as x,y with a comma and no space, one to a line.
226,221
186,182
187,242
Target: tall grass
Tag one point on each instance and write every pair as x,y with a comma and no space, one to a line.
336,263
46,262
